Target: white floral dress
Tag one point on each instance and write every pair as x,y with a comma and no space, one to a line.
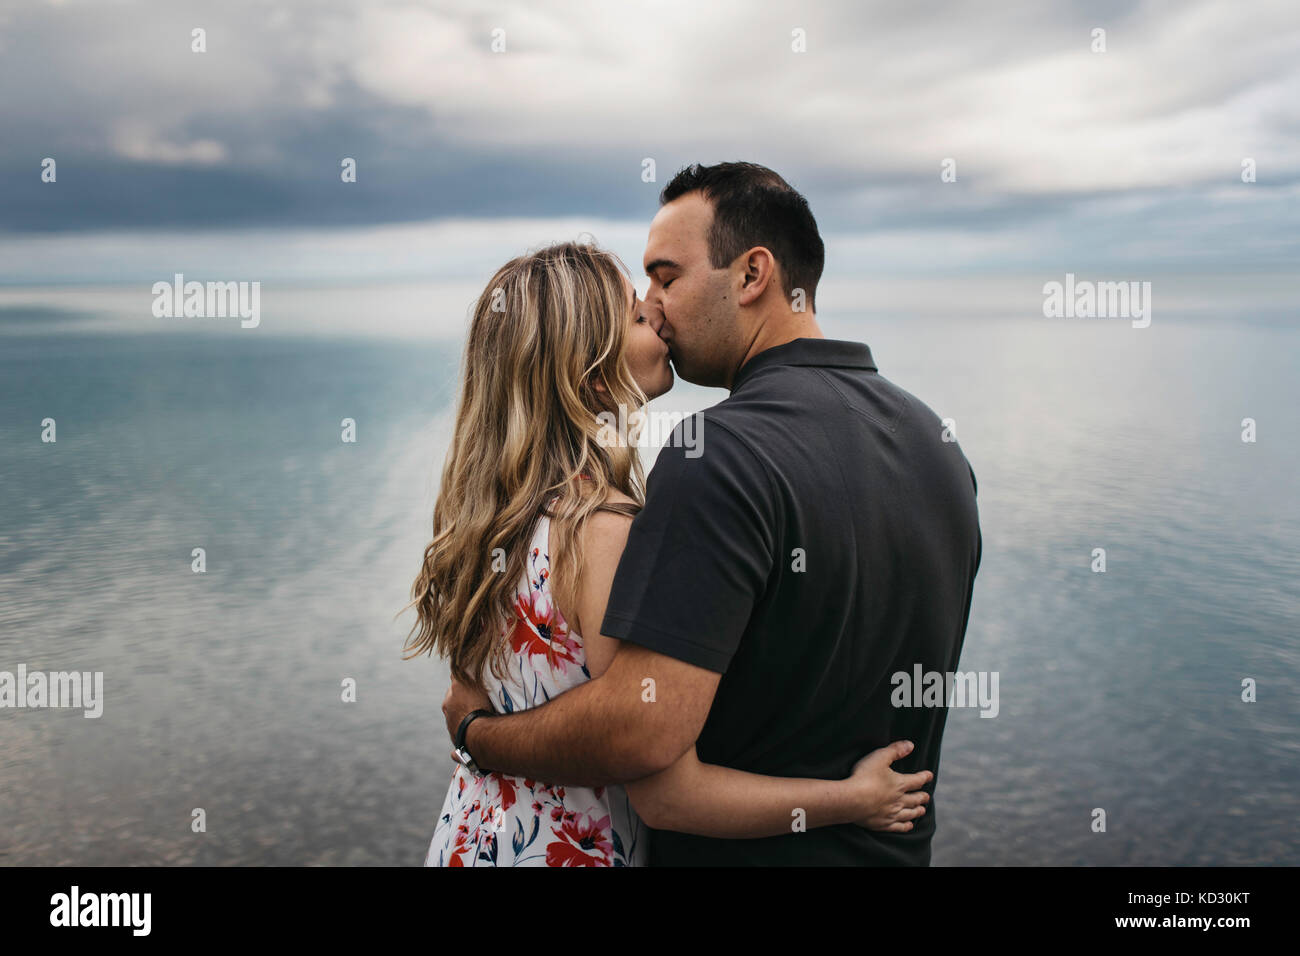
500,820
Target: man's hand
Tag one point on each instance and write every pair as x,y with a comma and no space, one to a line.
459,702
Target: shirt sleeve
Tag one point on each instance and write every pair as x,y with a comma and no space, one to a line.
699,555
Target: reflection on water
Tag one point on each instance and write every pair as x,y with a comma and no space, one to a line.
1118,690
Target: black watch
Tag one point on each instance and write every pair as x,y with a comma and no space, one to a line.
462,752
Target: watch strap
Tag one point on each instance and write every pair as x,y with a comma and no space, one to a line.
462,752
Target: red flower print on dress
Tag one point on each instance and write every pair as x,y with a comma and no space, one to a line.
585,843
507,791
538,631
461,846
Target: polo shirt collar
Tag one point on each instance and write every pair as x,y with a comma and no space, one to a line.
832,353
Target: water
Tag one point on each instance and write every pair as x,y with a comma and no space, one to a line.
223,690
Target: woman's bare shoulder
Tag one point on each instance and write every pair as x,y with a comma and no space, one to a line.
608,528
601,541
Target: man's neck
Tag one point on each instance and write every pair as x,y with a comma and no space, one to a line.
771,334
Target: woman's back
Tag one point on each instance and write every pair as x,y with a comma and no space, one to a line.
500,820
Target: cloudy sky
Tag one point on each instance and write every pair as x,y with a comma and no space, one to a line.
1128,160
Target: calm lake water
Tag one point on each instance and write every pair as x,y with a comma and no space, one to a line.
1119,690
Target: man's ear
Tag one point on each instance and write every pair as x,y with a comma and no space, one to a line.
759,269
598,384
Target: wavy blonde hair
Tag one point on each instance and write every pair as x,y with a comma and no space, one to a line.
547,326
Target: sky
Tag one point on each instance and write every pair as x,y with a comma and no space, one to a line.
226,162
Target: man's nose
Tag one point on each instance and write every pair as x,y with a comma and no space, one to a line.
654,313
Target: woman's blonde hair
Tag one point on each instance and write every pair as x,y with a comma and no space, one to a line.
548,325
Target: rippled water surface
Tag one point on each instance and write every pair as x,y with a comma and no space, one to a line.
222,690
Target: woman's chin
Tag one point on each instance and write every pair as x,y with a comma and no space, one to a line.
654,389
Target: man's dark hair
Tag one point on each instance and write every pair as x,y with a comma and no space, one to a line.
753,206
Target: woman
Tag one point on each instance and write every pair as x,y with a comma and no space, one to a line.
531,518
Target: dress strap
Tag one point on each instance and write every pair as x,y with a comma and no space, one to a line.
625,508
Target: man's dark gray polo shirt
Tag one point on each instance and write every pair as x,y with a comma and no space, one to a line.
824,539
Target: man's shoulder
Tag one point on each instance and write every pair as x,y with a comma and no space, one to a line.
747,414
720,436
710,452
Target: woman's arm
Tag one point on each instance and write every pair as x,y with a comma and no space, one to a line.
708,800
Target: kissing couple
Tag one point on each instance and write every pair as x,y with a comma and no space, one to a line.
693,668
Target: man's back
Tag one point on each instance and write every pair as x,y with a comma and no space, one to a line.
828,514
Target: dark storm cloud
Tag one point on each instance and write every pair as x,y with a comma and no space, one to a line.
149,135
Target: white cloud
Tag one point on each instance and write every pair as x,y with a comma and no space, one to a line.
860,121
134,142
1012,91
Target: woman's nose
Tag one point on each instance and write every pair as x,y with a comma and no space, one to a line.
654,315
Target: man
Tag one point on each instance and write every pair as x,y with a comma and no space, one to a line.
826,540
